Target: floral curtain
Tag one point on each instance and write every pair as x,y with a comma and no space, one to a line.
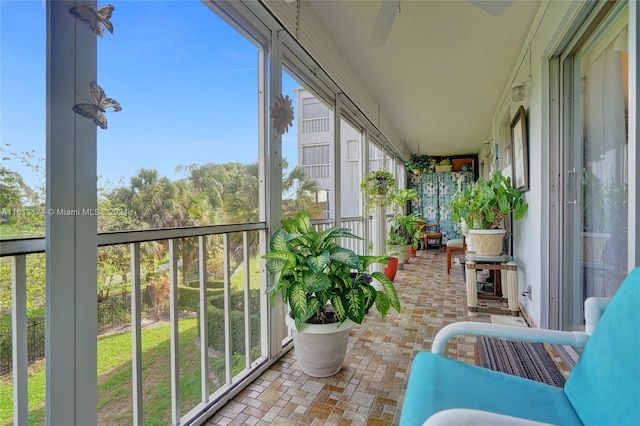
435,191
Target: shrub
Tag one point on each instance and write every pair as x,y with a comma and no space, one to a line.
216,330
210,284
189,297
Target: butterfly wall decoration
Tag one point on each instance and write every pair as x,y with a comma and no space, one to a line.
96,18
96,110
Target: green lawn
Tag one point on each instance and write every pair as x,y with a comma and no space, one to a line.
114,378
114,372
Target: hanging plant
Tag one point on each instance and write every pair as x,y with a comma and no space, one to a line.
378,186
419,163
281,113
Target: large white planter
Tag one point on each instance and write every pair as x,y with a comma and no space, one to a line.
320,348
488,242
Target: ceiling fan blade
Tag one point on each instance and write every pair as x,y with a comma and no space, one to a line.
384,22
494,7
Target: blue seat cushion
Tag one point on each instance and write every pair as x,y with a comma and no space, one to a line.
603,386
438,383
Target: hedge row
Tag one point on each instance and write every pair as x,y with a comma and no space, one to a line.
216,329
210,284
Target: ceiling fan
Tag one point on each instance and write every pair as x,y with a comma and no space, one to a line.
391,8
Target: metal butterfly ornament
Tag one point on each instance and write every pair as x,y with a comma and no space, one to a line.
95,18
96,110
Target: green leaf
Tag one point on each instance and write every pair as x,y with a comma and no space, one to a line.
503,204
318,263
297,300
370,295
279,241
315,281
338,307
346,257
303,222
382,304
354,303
365,261
389,289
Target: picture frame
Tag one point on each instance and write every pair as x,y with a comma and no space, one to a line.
520,151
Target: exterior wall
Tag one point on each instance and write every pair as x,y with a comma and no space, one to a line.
317,133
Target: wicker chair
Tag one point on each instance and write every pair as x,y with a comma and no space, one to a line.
431,232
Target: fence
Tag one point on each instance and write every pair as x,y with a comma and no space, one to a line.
35,344
113,312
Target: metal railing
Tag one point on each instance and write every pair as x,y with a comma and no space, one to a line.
22,331
315,125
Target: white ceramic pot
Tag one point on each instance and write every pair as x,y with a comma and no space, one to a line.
488,242
320,348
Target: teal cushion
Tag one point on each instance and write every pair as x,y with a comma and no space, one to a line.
437,383
604,386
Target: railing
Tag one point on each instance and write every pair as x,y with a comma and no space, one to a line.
317,171
237,314
35,344
315,125
113,313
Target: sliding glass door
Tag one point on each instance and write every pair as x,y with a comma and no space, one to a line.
595,152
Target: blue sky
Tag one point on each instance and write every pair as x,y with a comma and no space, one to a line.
186,80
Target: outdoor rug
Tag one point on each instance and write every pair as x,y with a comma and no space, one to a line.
524,359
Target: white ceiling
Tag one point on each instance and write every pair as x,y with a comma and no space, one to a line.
443,69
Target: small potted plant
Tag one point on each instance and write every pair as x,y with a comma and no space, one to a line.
483,206
313,275
418,164
378,187
404,226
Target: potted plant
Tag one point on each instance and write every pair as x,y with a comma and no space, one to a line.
405,226
313,275
379,187
419,164
396,247
484,206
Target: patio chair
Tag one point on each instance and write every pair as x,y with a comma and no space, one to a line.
431,232
457,245
602,389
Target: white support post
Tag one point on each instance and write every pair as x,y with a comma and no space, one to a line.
204,319
247,300
175,337
228,352
274,185
136,336
71,235
19,339
337,163
379,236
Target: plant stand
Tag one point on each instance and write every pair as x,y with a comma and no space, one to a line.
508,276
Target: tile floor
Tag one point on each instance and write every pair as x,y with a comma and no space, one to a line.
369,389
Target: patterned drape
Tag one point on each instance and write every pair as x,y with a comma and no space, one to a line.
435,191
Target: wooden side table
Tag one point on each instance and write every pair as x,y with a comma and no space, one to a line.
508,276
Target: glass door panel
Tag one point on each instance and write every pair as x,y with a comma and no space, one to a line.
596,170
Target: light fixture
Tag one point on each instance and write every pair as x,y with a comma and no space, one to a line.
518,90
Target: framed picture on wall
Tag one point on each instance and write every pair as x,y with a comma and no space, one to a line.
520,151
